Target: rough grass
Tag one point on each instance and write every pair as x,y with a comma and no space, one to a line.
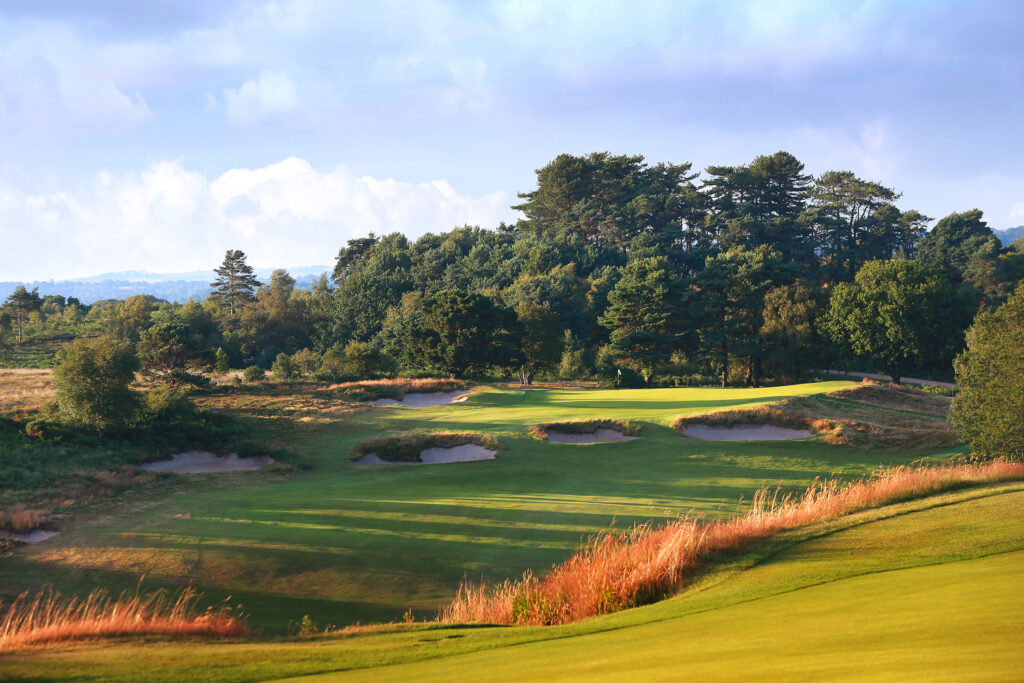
23,392
616,571
407,447
540,431
20,518
867,416
49,617
371,390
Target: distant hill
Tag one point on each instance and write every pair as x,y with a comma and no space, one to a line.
178,287
1010,235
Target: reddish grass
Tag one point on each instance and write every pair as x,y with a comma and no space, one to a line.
620,570
49,617
20,518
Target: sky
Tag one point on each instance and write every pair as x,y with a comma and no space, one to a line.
156,135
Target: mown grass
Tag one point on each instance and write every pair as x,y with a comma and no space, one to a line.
922,589
345,544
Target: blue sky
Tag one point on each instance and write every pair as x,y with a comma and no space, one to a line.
156,135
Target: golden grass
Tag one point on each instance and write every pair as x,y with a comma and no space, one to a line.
24,390
540,431
49,617
396,388
407,447
867,416
20,518
620,570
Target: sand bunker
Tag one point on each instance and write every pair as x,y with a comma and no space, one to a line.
436,456
746,433
201,462
425,400
34,536
600,435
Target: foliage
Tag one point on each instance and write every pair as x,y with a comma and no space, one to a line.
19,305
235,281
254,373
92,385
897,315
541,345
354,361
283,369
989,409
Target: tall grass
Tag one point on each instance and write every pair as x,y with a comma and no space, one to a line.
620,570
49,617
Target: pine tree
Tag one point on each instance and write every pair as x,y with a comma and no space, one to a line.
22,302
235,281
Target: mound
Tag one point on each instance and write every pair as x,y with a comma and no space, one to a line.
34,536
424,400
202,462
426,449
867,416
586,431
761,432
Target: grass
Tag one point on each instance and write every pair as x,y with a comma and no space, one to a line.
345,544
616,571
371,390
923,589
407,447
48,617
540,431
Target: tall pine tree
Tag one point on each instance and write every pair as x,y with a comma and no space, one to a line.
235,283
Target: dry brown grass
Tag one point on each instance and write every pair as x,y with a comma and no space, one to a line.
49,617
24,391
371,390
867,416
540,431
620,570
20,518
407,447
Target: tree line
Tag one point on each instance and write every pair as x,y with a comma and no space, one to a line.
621,270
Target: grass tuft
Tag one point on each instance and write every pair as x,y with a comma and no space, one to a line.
20,518
616,571
49,617
371,390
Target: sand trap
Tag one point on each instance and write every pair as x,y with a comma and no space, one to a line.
425,400
34,536
201,462
746,433
466,452
600,435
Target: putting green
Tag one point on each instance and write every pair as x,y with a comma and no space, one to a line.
346,544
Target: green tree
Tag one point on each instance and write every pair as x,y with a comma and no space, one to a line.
640,309
989,408
898,316
20,304
92,384
221,363
573,364
541,344
127,319
170,354
6,336
788,330
236,282
461,332
962,247
373,284
283,369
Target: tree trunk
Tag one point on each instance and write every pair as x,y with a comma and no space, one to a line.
725,365
756,371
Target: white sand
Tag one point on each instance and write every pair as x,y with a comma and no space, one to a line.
600,435
201,462
466,452
34,536
424,400
746,433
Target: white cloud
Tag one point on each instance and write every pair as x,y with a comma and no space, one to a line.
167,218
1017,211
260,99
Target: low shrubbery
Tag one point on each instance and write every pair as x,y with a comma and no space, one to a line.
407,447
618,570
540,431
371,390
50,617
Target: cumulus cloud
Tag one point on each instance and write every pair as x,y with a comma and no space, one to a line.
261,98
167,218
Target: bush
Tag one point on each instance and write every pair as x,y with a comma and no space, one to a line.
306,362
92,385
253,373
989,409
283,369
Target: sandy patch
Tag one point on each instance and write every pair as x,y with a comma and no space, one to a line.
34,536
466,452
201,462
746,433
600,435
425,400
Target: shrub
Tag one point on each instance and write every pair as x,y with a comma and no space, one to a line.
407,447
283,369
253,373
306,362
92,384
